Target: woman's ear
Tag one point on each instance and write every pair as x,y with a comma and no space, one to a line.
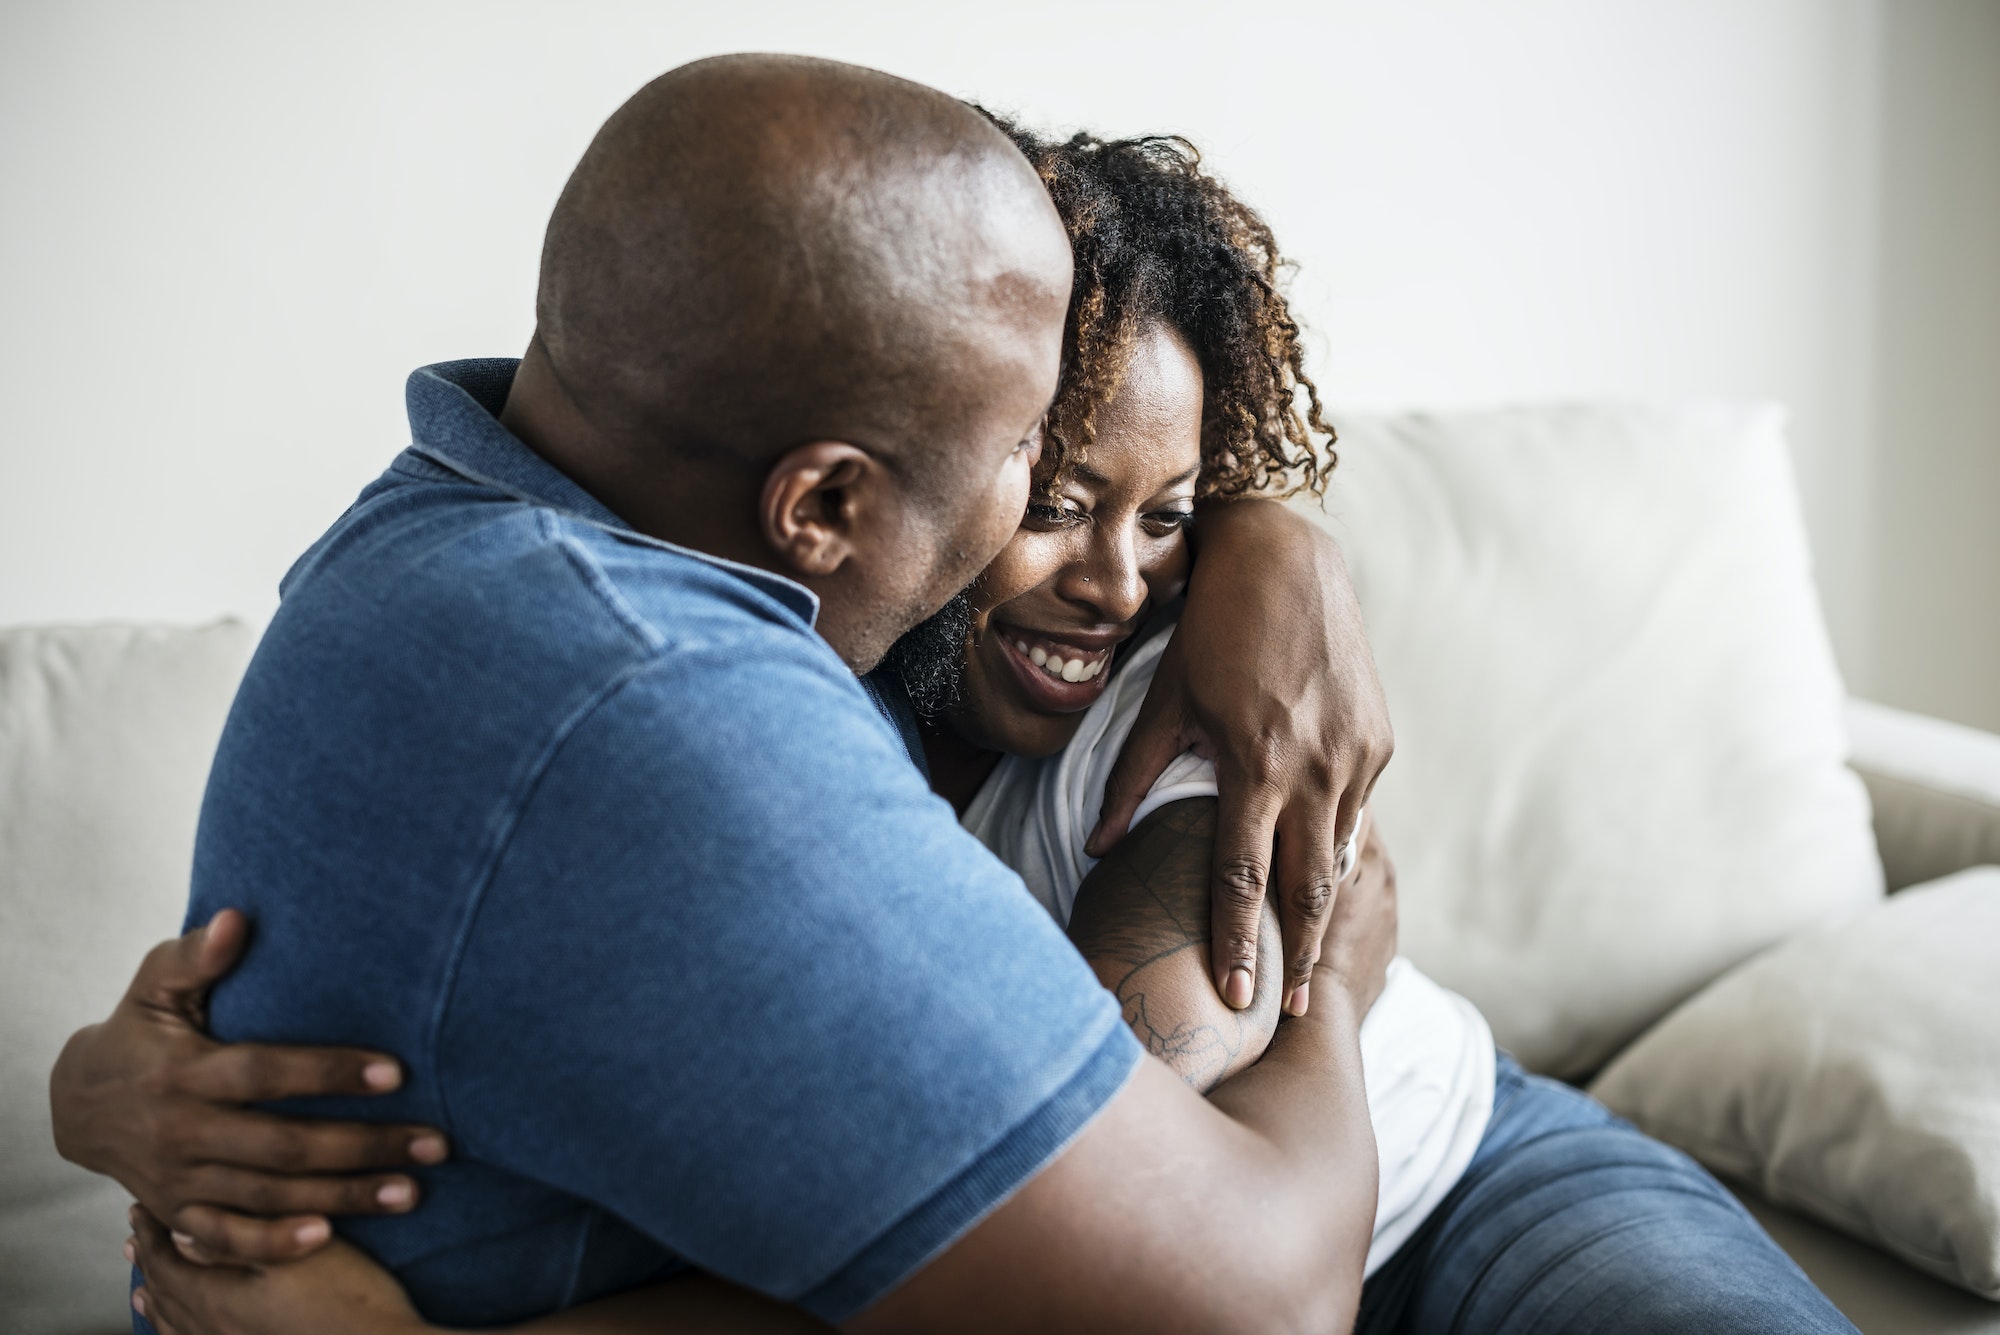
813,500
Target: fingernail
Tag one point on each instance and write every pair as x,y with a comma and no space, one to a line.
311,1235
396,1195
183,1240
428,1149
1297,1003
382,1075
1239,988
131,1252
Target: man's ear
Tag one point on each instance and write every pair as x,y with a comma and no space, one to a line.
812,504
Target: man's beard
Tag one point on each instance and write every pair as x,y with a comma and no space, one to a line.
930,657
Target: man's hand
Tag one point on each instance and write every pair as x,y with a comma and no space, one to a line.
149,1099
1269,673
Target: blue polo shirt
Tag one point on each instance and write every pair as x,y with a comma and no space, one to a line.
602,840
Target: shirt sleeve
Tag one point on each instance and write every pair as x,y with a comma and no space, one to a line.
739,978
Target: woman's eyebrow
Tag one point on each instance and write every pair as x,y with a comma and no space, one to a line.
1083,472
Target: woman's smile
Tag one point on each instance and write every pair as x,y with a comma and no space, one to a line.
1060,673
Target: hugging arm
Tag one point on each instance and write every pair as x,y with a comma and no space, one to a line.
1299,730
149,1099
343,1291
1142,921
1251,1209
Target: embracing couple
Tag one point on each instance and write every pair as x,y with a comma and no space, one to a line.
774,795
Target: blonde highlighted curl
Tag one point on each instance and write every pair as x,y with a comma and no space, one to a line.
1157,240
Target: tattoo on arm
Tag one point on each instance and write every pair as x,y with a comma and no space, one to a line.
1142,920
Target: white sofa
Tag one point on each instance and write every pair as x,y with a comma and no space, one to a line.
1467,536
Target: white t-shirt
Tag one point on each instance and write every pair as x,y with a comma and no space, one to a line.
1426,1053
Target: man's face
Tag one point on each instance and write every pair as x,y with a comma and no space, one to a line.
959,496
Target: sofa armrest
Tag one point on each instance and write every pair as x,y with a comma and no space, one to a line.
1936,790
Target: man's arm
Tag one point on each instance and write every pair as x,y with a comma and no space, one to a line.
1250,1210
1141,919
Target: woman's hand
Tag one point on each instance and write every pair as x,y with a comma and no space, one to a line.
151,1100
341,1290
1270,673
338,1290
1361,937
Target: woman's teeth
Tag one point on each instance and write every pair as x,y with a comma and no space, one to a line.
1069,669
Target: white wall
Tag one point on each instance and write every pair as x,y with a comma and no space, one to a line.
1937,616
231,228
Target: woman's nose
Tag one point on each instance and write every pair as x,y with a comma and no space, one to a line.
1108,579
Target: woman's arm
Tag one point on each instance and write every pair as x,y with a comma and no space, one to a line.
148,1099
1298,727
1142,920
342,1291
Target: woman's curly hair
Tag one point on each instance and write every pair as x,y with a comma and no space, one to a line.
1158,240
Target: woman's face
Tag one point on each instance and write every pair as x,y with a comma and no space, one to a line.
1088,562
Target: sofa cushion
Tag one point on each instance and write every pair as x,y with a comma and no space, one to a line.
1878,1293
1619,742
105,740
1852,1073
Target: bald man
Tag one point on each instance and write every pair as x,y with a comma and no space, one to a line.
552,777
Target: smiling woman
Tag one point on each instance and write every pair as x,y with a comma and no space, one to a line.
1098,547
1183,380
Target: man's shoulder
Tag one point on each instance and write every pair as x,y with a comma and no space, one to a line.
435,651
424,542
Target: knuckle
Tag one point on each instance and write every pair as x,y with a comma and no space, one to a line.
288,1152
162,957
1241,880
1265,765
1313,898
258,1069
256,1193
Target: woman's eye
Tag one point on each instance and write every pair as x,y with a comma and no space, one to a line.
1050,516
1168,521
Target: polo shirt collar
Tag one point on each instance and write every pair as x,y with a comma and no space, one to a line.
454,412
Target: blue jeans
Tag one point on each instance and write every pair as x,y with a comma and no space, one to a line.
1569,1221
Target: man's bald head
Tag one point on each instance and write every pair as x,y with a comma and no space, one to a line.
758,251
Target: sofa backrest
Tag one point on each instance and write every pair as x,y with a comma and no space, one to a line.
1619,742
105,739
